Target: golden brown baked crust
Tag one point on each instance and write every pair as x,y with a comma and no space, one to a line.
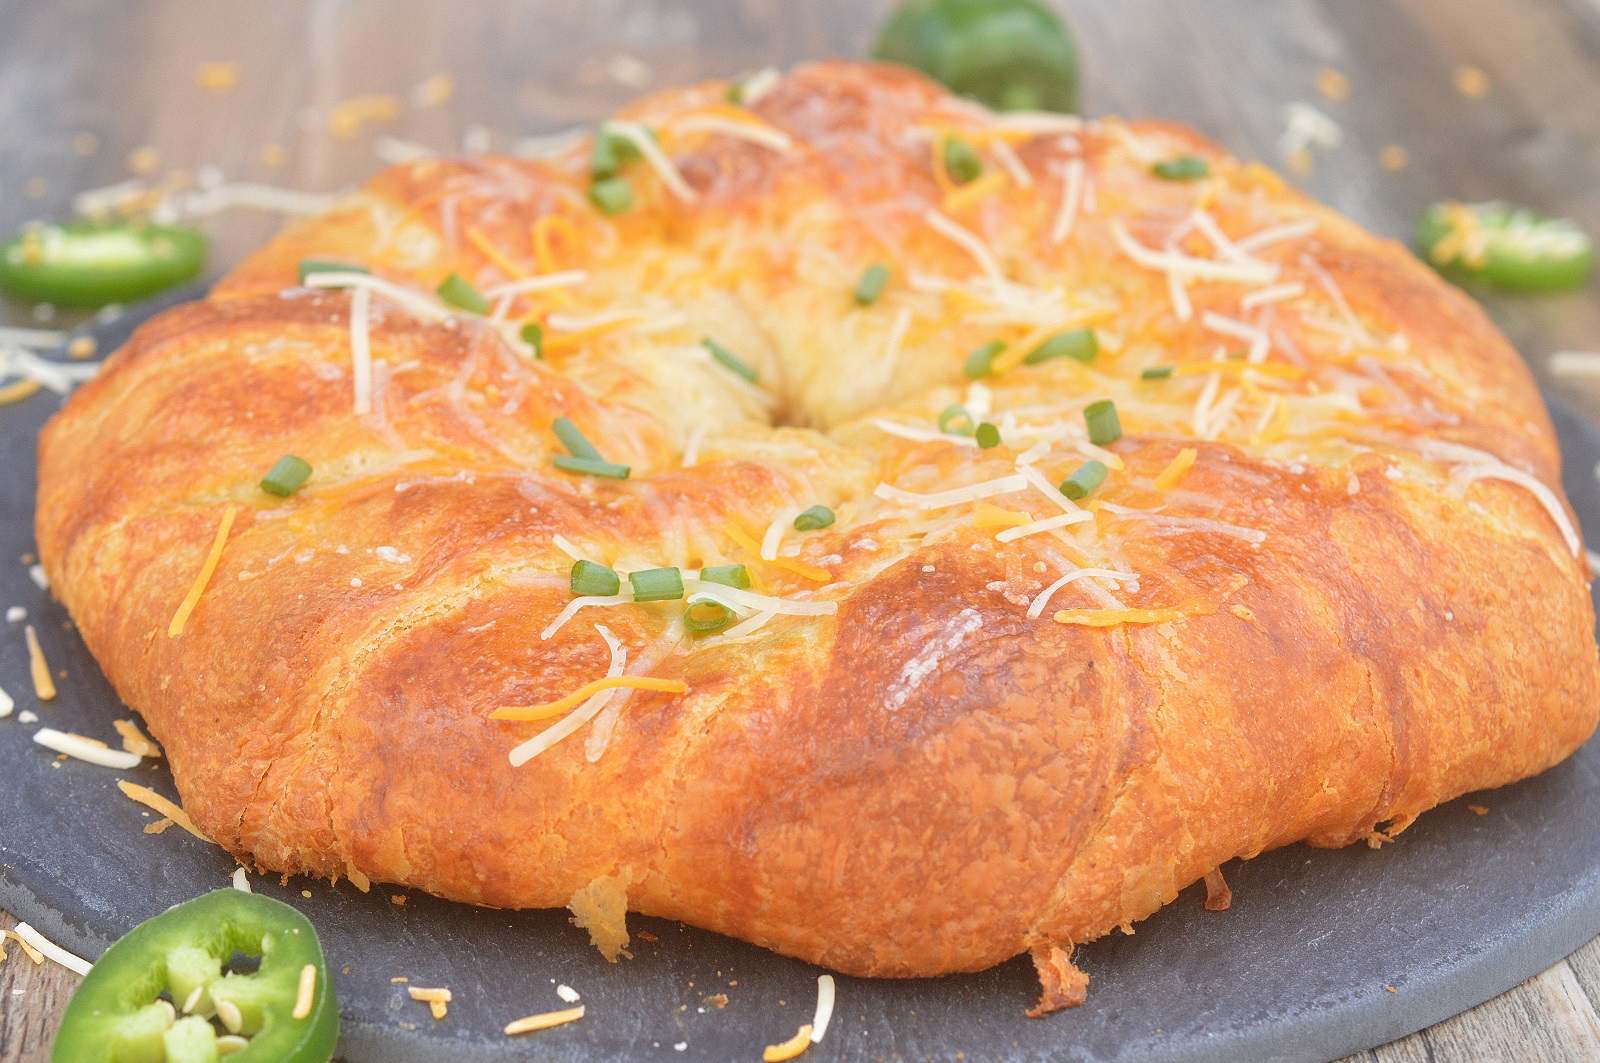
928,780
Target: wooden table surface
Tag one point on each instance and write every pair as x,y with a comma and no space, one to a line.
1473,99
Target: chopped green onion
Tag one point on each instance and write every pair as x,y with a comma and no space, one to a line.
591,467
730,361
612,195
308,266
1104,424
1236,356
1182,168
988,435
588,577
533,336
961,160
1085,478
1079,344
814,518
1158,372
981,361
574,440
957,421
457,292
609,155
287,475
735,576
656,585
705,615
872,283
585,458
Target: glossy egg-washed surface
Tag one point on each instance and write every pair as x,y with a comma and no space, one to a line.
927,780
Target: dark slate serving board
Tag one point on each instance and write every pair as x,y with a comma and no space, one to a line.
1300,968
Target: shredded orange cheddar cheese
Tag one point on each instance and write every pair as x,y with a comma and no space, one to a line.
135,740
990,516
970,193
17,390
348,117
1176,469
33,954
192,599
788,564
584,693
541,239
495,255
790,1048
44,686
544,1021
150,799
1114,617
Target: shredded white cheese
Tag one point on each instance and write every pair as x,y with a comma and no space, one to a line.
1575,363
970,243
1276,234
1038,123
38,339
1007,158
1260,342
757,85
1060,520
1178,295
1186,524
663,166
623,598
923,435
225,196
755,132
566,546
1474,464
897,336
750,601
579,716
1190,267
824,1013
1036,479
1036,607
51,950
954,497
1275,293
414,303
361,350
759,621
543,282
774,534
59,377
6,704
241,880
86,749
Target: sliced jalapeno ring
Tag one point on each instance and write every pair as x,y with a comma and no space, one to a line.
1010,54
1505,247
90,264
161,994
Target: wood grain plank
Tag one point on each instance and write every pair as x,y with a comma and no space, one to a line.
32,998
